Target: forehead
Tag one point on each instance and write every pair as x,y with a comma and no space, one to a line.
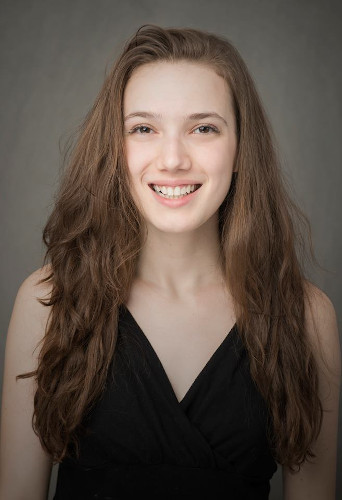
176,86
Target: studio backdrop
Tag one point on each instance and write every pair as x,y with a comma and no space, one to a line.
54,56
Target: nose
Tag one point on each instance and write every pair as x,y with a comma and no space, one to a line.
173,154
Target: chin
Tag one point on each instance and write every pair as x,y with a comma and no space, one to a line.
173,228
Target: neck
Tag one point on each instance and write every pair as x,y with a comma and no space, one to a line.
180,264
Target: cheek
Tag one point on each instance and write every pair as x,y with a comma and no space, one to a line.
220,170
133,171
137,158
222,151
220,161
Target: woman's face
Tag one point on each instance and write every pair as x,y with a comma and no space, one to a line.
180,136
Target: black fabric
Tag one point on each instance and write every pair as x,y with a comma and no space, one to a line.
141,441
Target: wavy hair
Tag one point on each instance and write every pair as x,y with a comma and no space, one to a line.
95,232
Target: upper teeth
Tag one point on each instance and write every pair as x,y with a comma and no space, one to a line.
174,191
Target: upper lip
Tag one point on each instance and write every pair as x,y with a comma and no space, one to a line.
173,183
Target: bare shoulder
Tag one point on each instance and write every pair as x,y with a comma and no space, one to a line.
319,306
34,288
320,314
322,327
34,284
317,480
29,316
24,466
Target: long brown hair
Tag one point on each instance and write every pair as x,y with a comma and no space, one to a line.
95,233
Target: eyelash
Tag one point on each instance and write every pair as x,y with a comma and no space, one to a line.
135,129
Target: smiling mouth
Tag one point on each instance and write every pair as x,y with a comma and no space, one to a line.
174,193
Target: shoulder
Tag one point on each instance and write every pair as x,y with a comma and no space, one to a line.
317,480
32,290
322,331
24,466
320,314
34,285
29,316
319,306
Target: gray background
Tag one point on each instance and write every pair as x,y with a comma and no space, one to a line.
53,59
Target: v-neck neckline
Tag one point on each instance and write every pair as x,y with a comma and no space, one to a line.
200,374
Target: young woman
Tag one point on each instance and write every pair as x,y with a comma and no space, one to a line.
170,344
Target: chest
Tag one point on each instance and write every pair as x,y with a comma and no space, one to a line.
184,334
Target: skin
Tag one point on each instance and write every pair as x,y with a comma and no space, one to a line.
183,240
24,467
178,267
317,481
180,126
185,243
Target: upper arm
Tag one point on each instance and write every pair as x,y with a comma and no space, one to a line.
318,480
24,466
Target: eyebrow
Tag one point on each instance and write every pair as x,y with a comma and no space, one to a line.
193,116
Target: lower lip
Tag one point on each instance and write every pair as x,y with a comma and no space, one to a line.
178,202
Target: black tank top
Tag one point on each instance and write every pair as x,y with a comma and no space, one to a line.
140,441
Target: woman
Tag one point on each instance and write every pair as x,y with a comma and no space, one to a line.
182,352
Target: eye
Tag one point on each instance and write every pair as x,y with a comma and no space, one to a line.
206,129
141,129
